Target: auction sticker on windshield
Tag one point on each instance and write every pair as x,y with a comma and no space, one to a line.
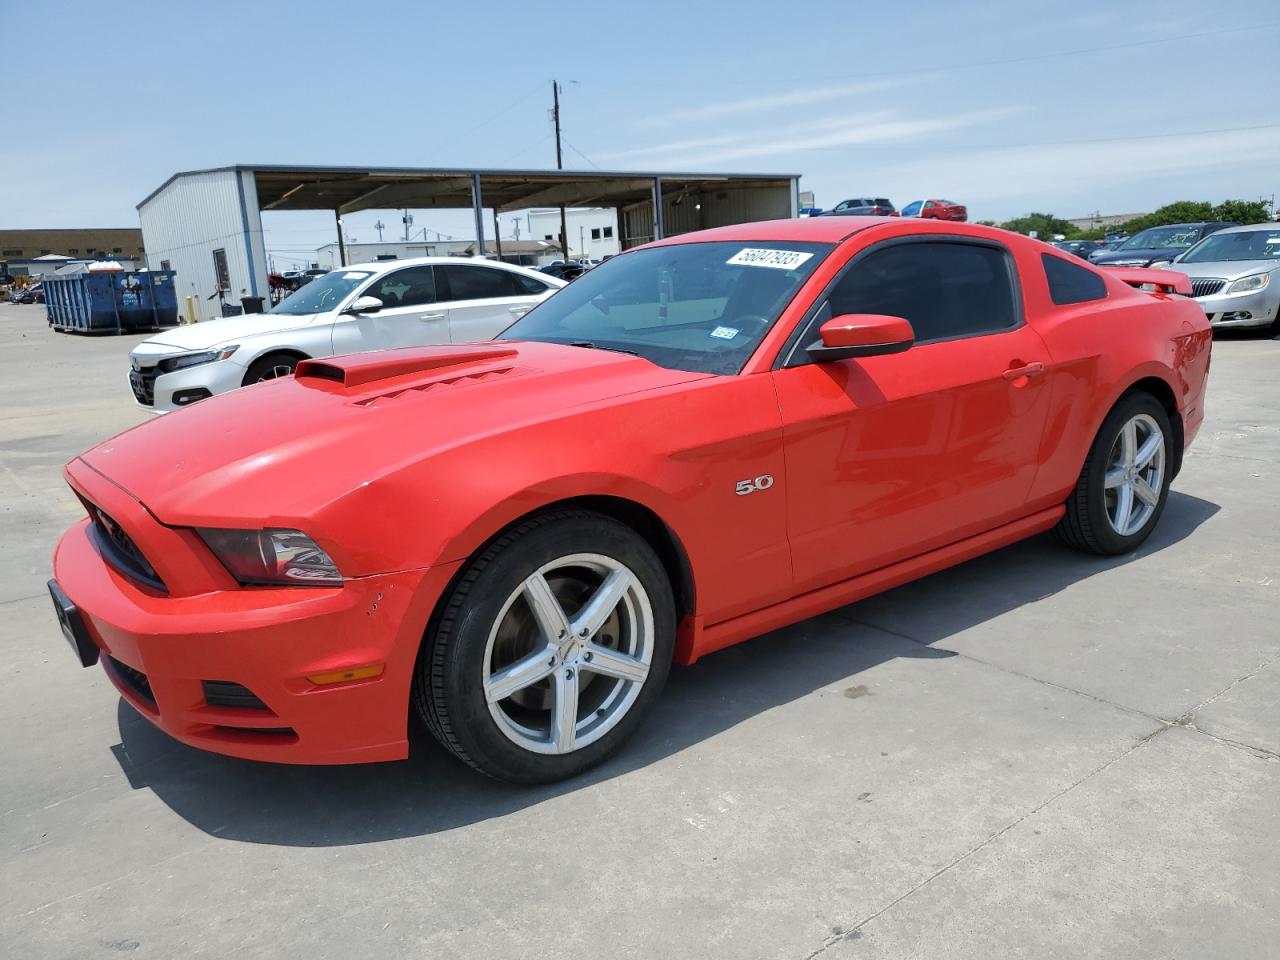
778,259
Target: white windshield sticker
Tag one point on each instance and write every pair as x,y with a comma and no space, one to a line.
354,276
725,333
778,259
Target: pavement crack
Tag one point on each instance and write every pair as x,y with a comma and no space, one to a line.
854,932
1011,672
1189,716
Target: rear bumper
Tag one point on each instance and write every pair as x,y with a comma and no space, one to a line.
158,650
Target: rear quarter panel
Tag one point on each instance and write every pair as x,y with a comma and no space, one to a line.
1099,350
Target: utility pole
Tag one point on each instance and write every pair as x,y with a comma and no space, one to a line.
555,115
407,220
379,226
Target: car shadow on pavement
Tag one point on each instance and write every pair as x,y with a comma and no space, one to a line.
433,792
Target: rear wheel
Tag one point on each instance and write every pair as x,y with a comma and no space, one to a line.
270,367
1122,489
550,650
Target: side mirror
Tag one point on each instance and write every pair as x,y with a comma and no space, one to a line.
364,305
861,335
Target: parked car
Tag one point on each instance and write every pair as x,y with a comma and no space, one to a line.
516,540
32,294
1156,245
369,306
937,210
1079,248
564,271
862,207
1235,276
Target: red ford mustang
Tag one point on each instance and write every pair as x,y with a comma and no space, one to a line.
697,442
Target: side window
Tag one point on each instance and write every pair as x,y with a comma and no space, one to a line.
944,289
466,282
912,208
528,284
930,205
1070,283
405,288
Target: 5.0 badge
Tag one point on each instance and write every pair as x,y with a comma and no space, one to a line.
762,482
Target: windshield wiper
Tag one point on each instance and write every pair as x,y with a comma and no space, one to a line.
587,344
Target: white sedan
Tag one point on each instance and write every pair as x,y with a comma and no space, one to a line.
369,306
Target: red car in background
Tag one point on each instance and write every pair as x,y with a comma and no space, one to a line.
937,210
697,442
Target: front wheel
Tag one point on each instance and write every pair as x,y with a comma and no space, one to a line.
550,650
1122,489
270,367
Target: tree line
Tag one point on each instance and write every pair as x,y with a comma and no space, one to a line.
1047,226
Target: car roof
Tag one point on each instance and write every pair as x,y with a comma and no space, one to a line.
1246,227
812,229
384,266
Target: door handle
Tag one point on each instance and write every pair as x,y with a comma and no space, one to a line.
425,317
518,311
1026,370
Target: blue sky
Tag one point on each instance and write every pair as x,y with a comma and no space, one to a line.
903,99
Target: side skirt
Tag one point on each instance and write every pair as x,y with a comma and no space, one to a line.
696,640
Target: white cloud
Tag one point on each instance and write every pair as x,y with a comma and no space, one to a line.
883,126
774,101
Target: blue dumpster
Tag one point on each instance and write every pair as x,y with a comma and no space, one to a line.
111,302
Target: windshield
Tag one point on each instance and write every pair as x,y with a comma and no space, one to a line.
911,209
322,293
1162,238
1245,245
697,306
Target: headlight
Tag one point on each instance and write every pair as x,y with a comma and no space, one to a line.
1249,284
196,359
272,557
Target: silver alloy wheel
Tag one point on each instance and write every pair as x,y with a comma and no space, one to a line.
1135,475
568,653
279,370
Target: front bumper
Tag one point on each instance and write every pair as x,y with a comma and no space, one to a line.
1223,310
159,649
155,392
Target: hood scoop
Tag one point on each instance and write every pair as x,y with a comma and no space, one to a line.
360,369
437,383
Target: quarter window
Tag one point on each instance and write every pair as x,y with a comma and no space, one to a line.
945,290
478,283
1071,283
405,288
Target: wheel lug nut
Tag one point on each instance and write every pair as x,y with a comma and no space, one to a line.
587,656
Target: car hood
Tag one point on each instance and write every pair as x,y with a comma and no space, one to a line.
213,333
1144,254
276,451
1226,269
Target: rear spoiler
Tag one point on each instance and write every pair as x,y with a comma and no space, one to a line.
1164,281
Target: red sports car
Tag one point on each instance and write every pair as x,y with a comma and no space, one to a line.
937,210
697,442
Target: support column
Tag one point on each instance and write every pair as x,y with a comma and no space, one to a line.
477,204
342,245
497,232
658,232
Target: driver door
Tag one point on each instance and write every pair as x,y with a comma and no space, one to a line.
892,456
410,314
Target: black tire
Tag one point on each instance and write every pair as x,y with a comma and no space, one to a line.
269,367
447,689
1085,525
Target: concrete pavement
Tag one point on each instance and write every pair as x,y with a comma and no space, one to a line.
1036,754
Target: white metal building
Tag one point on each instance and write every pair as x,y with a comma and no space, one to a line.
207,224
593,231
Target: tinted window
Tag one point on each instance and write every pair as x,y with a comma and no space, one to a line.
405,288
1071,283
944,289
463,282
528,284
694,306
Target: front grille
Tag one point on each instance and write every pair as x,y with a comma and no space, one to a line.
119,550
143,384
135,680
1206,287
224,693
